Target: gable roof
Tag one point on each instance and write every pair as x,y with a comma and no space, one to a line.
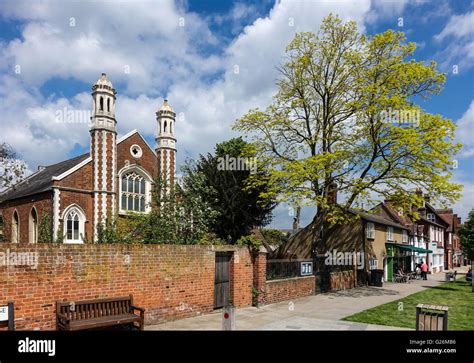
42,180
374,218
130,134
435,212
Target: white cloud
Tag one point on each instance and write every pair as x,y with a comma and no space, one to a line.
466,203
458,37
143,36
465,132
458,26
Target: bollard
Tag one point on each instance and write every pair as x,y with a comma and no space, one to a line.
228,318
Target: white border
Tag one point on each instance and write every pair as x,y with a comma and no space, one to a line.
73,169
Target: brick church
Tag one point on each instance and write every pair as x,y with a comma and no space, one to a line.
115,177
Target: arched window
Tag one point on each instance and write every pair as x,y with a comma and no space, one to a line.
166,124
33,226
134,192
101,103
15,228
74,221
171,127
108,104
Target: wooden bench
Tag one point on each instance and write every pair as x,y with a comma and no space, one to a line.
99,313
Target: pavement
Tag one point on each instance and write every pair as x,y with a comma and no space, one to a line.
316,312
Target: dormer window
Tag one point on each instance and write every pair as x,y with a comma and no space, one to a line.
431,217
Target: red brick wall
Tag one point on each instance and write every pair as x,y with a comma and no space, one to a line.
287,289
241,270
342,280
169,281
259,277
42,203
80,179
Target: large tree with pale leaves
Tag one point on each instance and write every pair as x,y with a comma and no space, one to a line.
346,119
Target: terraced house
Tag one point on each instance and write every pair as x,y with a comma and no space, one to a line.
112,179
389,239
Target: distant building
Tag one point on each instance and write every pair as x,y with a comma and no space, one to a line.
453,251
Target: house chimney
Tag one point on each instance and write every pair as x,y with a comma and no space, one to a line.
332,194
427,198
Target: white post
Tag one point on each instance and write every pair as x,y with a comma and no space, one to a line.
228,318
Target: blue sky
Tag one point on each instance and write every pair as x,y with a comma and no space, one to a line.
187,51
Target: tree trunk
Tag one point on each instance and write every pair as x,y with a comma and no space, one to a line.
472,269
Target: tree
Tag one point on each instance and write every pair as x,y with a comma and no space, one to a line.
12,170
177,217
221,180
45,229
466,232
344,120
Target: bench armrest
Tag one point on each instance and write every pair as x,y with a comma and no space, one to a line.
62,318
141,310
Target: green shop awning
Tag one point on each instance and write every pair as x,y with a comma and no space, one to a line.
411,248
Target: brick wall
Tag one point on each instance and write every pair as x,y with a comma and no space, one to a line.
169,281
287,289
259,277
43,204
342,280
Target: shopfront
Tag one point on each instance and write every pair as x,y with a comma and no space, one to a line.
401,257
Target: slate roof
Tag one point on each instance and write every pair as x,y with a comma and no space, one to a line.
41,180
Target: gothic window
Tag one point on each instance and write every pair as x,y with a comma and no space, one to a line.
15,228
101,103
133,192
33,226
108,104
74,226
171,127
166,124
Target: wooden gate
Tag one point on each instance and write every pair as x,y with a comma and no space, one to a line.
222,279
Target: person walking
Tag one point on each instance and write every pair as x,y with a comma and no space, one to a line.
424,270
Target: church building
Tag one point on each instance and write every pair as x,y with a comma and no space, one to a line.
113,178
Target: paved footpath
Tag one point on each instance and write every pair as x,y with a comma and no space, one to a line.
316,312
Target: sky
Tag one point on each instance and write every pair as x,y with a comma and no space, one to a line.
213,60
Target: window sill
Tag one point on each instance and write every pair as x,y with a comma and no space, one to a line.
128,212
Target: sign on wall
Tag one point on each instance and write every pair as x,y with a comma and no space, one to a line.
306,268
7,316
4,313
